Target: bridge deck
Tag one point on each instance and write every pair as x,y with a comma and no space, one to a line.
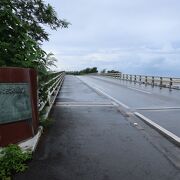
92,138
160,105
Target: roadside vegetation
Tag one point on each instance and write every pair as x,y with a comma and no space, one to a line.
22,32
89,71
13,160
84,71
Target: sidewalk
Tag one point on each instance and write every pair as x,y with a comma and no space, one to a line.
91,139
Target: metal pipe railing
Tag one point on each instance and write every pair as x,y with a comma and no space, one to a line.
168,82
52,88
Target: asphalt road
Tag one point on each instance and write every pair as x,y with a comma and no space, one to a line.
160,105
91,138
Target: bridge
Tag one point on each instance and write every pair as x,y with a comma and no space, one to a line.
157,106
110,127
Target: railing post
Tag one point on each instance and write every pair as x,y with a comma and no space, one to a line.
120,75
153,81
135,78
123,76
140,78
126,76
170,83
131,78
146,80
161,81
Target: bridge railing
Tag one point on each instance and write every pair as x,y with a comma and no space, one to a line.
49,91
169,82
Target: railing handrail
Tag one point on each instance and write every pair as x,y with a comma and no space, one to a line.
170,82
153,76
52,88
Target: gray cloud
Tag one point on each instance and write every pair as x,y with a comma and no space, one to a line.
139,36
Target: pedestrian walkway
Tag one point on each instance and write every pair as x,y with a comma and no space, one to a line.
91,139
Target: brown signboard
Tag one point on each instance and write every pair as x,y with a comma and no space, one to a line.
18,105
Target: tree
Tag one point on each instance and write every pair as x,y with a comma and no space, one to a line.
94,70
49,60
103,71
88,70
113,71
22,32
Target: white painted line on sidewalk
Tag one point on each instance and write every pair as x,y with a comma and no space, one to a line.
159,108
105,94
162,130
85,105
83,102
146,92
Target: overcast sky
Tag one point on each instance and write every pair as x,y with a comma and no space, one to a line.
132,36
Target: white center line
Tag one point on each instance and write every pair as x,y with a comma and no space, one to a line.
112,98
139,90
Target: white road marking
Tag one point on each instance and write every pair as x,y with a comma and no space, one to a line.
105,94
112,98
159,108
162,130
83,102
146,92
85,105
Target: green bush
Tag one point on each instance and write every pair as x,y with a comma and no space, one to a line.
46,123
12,160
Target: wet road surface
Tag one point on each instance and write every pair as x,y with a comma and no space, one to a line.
91,138
160,105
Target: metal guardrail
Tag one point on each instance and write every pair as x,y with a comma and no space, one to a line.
168,82
53,86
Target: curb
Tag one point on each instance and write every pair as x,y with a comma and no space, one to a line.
170,136
32,143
